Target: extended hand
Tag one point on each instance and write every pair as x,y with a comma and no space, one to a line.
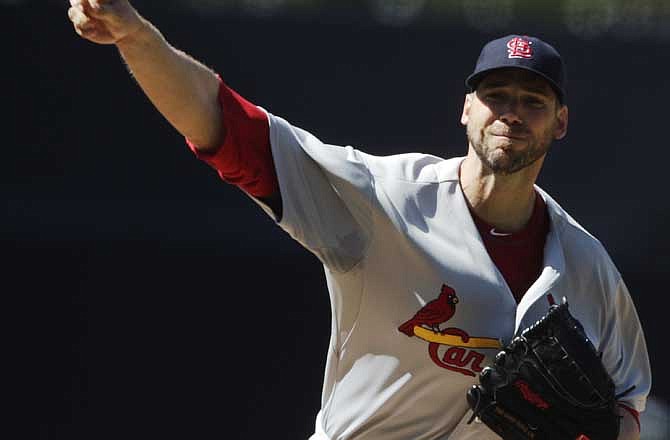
104,21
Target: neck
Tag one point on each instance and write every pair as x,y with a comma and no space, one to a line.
503,201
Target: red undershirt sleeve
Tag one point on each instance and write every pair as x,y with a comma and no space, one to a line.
244,158
633,412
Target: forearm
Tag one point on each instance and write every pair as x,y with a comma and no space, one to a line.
183,90
628,428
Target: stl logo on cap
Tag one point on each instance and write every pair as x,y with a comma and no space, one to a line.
519,47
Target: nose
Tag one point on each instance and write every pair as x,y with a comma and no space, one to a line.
509,112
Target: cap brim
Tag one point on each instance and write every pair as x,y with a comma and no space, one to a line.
473,80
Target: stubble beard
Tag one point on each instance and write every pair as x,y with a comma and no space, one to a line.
508,161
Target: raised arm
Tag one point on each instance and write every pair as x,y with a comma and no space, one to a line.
182,89
186,93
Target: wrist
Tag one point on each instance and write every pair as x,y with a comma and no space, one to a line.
143,32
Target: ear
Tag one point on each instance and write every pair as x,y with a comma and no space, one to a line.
562,126
465,116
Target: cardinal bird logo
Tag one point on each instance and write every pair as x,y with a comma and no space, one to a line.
451,347
434,313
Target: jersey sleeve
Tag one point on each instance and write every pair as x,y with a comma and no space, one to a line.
625,350
325,189
244,159
327,195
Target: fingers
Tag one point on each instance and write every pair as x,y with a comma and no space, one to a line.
91,8
102,9
104,21
78,17
85,24
95,8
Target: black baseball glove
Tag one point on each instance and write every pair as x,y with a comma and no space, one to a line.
547,384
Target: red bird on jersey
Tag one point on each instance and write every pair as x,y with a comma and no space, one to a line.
434,312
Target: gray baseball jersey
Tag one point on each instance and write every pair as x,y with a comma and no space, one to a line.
396,238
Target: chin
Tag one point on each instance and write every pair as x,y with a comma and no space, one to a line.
502,170
504,162
501,156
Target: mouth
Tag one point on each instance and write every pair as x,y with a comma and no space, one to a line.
514,137
515,133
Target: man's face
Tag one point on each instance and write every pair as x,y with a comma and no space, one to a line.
512,119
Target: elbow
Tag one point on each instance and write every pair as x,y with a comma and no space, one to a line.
209,143
208,126
209,132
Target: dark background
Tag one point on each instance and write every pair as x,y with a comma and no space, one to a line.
154,300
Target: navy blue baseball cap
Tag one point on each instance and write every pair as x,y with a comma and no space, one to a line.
522,52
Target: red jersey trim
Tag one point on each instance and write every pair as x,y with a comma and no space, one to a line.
244,159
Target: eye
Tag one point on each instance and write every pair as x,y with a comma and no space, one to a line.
494,97
535,103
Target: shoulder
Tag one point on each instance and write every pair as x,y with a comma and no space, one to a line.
408,167
414,168
583,250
